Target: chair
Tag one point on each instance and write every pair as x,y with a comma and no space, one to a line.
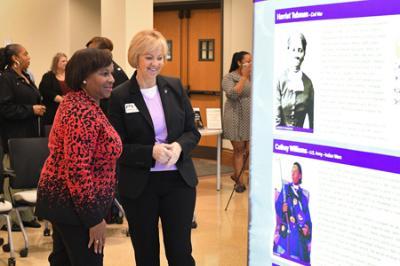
27,156
5,209
46,231
121,214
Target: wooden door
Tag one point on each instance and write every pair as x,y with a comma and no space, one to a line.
189,31
172,32
204,76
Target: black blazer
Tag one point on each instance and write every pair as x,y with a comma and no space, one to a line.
16,107
49,88
138,137
1,121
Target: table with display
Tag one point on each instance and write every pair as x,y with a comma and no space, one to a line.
218,133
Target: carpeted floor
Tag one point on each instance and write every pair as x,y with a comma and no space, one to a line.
206,167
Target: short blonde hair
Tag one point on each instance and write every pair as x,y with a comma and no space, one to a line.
145,41
54,62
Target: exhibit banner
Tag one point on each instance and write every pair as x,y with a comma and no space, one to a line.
325,145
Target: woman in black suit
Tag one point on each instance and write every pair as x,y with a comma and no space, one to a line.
157,179
20,100
1,73
53,87
20,105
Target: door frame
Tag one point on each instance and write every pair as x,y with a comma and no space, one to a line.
184,8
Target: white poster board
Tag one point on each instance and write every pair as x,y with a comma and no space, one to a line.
213,118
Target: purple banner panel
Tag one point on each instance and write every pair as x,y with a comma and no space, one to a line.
297,129
255,1
298,262
369,8
381,162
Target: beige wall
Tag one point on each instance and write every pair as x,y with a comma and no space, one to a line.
45,27
112,18
84,22
120,20
238,28
166,1
238,33
139,16
41,26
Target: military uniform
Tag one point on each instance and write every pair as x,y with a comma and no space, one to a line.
292,242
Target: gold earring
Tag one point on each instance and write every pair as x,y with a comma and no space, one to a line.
16,64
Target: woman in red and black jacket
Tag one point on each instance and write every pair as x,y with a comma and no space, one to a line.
76,187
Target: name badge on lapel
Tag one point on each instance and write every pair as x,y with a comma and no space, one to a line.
131,108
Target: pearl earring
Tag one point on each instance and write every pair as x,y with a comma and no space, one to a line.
84,82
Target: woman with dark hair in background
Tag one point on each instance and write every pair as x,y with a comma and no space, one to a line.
20,100
53,87
236,120
20,105
118,73
77,183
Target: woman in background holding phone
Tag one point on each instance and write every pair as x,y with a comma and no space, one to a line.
236,122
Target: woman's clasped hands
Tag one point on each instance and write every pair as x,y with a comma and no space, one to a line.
167,154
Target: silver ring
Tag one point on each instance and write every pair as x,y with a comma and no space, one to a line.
96,241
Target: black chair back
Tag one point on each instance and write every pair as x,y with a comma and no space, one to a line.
27,156
1,169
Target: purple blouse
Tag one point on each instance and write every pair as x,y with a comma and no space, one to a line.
153,102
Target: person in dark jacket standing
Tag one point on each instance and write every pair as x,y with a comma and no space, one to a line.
77,183
1,119
156,175
53,87
20,100
20,105
118,73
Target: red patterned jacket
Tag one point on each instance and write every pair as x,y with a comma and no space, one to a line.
77,182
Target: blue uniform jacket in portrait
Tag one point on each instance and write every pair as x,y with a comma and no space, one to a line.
292,242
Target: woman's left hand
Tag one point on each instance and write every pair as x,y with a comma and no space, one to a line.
176,150
97,236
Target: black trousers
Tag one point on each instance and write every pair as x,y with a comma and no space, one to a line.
168,197
70,247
